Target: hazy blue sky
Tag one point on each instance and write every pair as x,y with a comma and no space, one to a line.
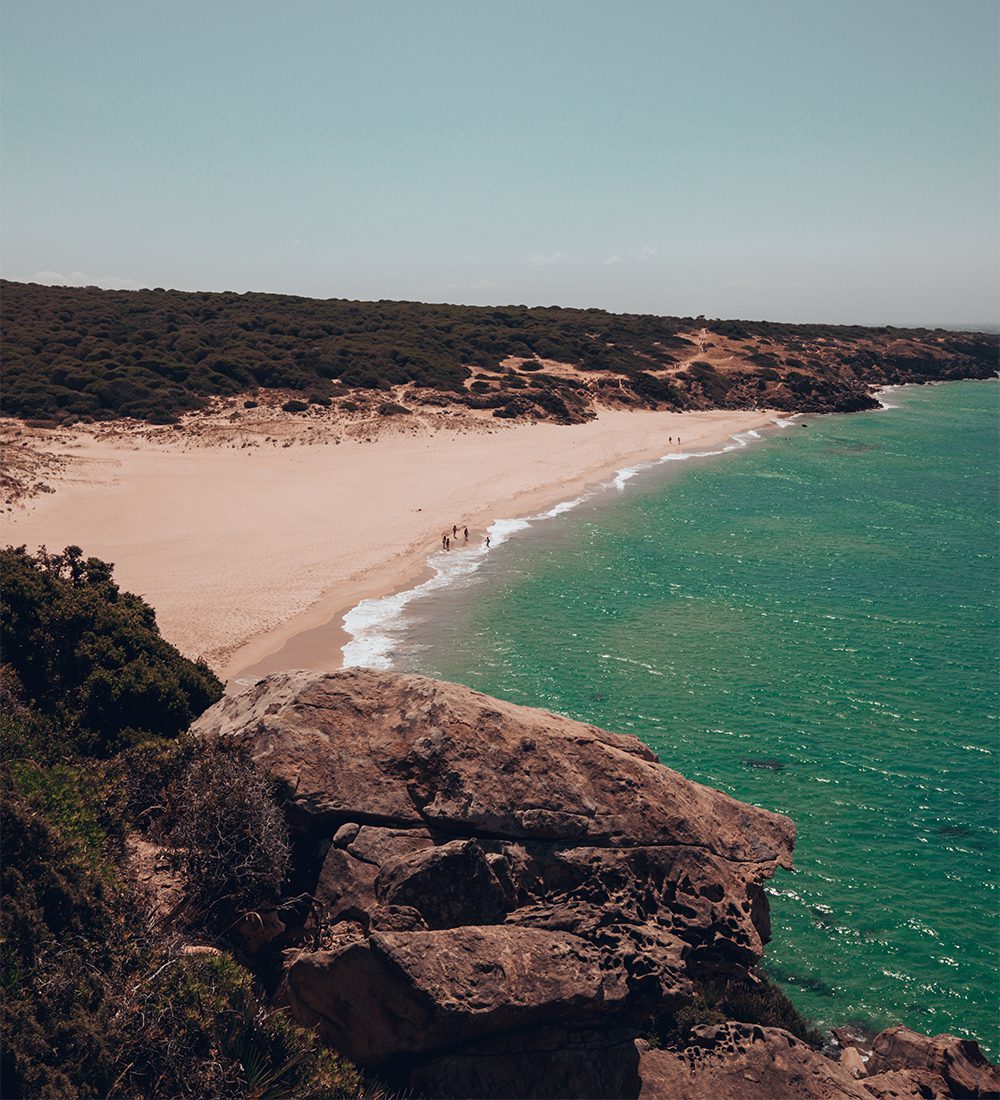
797,159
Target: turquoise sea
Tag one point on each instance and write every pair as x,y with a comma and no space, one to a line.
810,624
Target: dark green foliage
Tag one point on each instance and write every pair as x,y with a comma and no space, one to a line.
97,1000
751,999
295,406
95,1005
229,835
90,657
87,354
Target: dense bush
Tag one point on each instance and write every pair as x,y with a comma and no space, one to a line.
230,838
95,999
74,353
94,1004
750,998
90,657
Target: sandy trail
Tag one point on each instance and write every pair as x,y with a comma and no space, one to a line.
241,550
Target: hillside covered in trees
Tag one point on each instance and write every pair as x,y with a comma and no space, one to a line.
82,354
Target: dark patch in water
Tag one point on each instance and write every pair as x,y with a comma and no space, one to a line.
953,830
814,985
766,765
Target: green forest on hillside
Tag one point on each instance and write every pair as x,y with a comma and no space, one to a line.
87,354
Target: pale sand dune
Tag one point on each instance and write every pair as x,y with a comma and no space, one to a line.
240,550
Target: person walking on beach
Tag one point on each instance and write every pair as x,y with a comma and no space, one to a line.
487,542
466,534
454,530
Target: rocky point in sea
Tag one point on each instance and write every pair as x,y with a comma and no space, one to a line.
502,899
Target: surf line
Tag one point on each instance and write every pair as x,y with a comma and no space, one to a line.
376,625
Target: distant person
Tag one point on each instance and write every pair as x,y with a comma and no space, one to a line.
444,541
466,534
454,530
447,543
487,542
670,439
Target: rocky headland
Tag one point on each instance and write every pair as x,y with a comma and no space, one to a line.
495,901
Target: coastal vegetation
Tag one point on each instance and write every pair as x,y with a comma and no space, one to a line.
85,354
101,996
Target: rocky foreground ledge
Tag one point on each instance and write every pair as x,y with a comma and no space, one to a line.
504,898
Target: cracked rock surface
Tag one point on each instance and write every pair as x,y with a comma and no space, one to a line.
505,897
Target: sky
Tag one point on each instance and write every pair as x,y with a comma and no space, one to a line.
794,160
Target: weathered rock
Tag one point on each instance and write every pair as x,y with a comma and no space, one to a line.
505,898
366,746
746,1062
414,992
852,1063
908,1084
502,876
255,930
959,1062
426,882
547,1062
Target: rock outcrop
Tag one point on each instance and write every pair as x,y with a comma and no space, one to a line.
960,1067
504,899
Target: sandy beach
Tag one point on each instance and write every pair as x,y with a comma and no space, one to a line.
242,550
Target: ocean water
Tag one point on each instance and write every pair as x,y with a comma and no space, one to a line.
809,623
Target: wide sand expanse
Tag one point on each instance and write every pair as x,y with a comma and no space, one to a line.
241,549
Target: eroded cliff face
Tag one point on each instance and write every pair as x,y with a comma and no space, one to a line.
504,898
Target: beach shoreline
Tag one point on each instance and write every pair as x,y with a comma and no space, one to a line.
245,553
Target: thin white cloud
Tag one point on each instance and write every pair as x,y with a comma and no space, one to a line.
486,284
615,259
78,278
646,252
557,257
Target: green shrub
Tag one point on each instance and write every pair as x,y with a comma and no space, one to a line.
90,658
748,998
96,1005
229,835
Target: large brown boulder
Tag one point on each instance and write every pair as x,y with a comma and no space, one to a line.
746,1062
362,745
961,1065
504,899
493,878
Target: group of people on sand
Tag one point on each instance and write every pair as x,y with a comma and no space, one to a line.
448,539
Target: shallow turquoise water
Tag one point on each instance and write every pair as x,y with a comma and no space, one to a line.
810,625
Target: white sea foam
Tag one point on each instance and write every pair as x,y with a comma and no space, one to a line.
376,625
883,392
